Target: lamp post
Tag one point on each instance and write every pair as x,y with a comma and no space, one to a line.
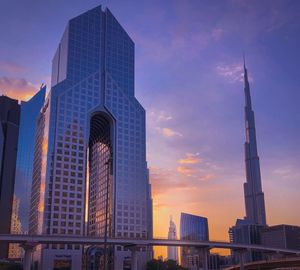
108,163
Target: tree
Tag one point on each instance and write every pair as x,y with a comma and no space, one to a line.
164,265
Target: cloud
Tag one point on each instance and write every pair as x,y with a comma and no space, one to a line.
164,180
168,132
192,167
10,67
190,159
234,72
155,121
159,116
186,170
17,88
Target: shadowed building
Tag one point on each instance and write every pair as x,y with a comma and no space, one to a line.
282,236
193,228
9,130
245,232
90,146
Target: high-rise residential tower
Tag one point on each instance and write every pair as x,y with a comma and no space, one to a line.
172,235
9,131
254,196
90,145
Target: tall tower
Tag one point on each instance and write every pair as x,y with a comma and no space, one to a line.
254,196
172,235
91,146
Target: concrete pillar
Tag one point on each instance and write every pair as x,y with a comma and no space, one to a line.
28,250
134,261
205,258
204,252
241,255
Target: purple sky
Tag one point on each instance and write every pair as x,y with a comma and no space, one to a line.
188,77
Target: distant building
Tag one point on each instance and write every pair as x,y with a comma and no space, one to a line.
193,228
9,122
244,232
281,236
172,235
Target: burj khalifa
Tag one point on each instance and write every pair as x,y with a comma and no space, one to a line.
254,196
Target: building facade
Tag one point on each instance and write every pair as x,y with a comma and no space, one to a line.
281,236
245,232
90,146
193,228
29,112
28,116
9,121
172,235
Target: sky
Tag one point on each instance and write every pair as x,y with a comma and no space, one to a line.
188,64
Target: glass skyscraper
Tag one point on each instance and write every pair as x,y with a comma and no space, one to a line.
90,146
23,177
28,117
192,228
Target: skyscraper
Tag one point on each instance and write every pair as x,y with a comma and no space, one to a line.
28,118
248,231
9,121
29,112
172,235
90,145
193,228
254,196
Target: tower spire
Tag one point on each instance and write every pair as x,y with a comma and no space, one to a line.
246,85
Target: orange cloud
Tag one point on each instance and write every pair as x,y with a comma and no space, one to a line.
163,180
190,159
168,132
17,88
188,171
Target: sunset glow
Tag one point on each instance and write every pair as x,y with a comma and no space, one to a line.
188,76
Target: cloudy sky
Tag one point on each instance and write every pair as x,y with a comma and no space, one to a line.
189,79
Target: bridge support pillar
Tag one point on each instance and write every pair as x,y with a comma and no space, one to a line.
28,250
204,254
134,257
242,259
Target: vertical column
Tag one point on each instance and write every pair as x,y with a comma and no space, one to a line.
242,253
204,251
28,250
241,257
134,258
